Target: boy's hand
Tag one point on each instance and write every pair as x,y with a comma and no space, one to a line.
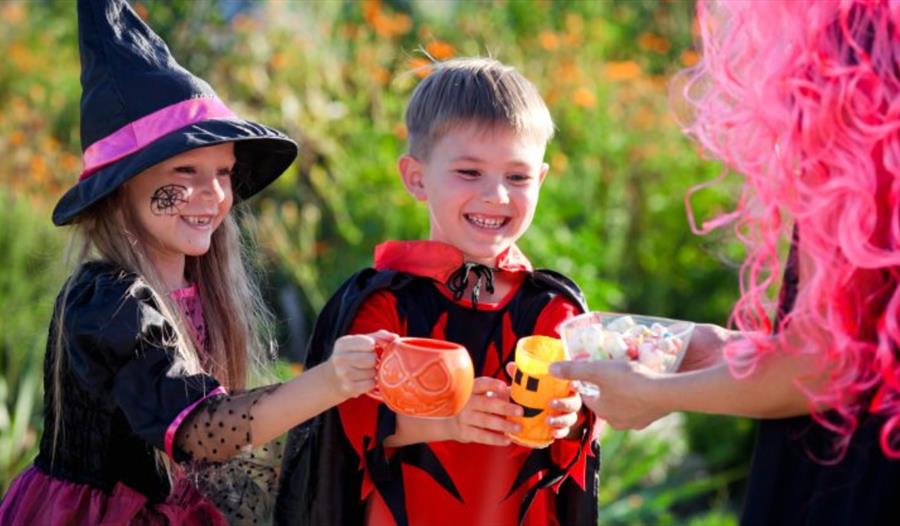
352,364
483,419
564,415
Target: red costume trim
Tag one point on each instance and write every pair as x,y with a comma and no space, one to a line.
437,260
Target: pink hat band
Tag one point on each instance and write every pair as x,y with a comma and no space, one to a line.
138,134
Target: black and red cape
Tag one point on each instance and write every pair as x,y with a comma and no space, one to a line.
336,469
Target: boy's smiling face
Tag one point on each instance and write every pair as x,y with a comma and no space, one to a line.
481,186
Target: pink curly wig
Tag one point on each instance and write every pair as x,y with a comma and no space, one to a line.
802,98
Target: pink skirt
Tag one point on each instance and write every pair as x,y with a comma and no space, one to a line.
37,498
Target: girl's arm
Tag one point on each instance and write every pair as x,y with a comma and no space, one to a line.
348,373
224,425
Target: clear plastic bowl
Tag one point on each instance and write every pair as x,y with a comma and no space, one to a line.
610,335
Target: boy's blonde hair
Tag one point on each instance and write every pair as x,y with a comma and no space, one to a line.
479,91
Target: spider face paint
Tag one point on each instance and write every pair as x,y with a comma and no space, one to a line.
167,200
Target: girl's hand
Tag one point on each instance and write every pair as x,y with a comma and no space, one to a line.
622,387
352,364
483,419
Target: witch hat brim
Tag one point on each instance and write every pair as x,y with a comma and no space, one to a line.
140,107
267,153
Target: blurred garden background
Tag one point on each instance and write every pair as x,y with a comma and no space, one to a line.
335,74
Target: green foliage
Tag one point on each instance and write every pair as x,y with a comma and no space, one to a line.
29,249
652,477
335,76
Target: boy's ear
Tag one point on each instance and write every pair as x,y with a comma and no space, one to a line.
413,178
544,169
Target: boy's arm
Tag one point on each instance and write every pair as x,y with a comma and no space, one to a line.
483,420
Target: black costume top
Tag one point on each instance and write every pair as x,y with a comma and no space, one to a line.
790,484
121,384
336,469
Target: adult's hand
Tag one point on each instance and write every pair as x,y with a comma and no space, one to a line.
625,389
705,348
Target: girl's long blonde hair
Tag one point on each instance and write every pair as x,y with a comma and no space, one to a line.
238,323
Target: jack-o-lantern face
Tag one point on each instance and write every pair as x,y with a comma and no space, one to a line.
534,389
425,377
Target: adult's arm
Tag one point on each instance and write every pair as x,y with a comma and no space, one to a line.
632,396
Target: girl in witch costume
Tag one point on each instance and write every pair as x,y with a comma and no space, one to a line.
153,334
477,134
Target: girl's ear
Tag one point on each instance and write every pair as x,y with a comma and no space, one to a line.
413,178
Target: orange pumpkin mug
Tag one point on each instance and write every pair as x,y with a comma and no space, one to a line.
533,388
423,377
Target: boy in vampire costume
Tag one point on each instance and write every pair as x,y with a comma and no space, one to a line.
477,133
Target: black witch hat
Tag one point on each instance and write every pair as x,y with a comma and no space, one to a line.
139,107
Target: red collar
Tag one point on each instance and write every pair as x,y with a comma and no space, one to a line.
436,260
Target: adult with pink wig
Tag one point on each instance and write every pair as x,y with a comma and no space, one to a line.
800,99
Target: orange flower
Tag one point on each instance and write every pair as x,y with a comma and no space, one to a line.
548,40
141,10
242,23
69,163
420,66
38,169
584,98
379,75
689,57
37,93
321,248
385,24
391,26
644,119
49,144
278,61
290,213
18,109
401,24
13,12
624,70
551,97
21,57
349,31
17,138
558,163
574,30
400,131
371,11
654,43
568,71
440,50
425,33
574,23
